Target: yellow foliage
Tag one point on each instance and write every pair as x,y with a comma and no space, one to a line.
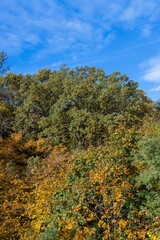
16,193
46,181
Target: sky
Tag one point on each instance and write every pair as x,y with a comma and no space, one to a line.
115,35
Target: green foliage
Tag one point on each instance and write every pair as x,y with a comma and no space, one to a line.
6,118
100,190
11,89
73,106
96,200
90,103
157,105
148,180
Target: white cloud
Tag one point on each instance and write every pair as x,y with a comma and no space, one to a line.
83,26
152,70
138,9
146,30
109,38
156,89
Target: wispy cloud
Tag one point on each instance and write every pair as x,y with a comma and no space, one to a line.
146,30
155,89
152,70
79,26
138,9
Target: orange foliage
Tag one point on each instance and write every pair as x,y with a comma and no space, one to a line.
13,199
16,183
46,179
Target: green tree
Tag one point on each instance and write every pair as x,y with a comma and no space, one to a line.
90,103
9,100
75,107
6,118
148,179
39,95
147,160
95,199
6,110
157,105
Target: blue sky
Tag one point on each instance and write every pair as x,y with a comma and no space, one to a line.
121,35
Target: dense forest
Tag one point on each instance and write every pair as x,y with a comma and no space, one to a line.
79,156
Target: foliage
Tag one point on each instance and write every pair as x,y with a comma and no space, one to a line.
147,161
17,151
13,199
157,105
90,103
47,176
107,186
16,183
148,179
6,118
74,107
96,200
87,194
3,59
153,236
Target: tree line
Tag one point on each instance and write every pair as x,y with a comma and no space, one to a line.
79,156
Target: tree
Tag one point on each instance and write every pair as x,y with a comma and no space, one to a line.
6,118
3,66
17,163
147,162
6,110
148,179
95,199
90,103
75,107
157,105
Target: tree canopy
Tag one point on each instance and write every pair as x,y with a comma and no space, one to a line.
79,156
73,106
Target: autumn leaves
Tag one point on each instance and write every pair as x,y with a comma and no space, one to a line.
79,157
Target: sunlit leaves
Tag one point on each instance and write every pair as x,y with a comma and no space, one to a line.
95,201
16,181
